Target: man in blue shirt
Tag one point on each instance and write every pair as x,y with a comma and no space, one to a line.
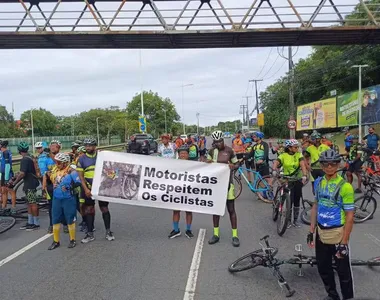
372,139
5,176
348,141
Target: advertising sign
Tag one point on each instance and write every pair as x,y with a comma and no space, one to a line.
161,183
319,114
371,105
348,109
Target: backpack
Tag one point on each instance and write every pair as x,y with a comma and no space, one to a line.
335,195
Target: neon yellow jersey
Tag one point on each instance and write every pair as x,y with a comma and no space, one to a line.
314,156
290,163
323,147
331,210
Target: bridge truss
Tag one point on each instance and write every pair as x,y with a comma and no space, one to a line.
186,23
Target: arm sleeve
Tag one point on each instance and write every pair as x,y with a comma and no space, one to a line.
348,199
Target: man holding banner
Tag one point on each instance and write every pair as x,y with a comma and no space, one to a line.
225,155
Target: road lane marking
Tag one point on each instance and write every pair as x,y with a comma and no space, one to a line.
23,250
373,238
193,273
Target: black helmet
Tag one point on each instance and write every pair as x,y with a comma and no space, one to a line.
90,141
4,143
329,156
183,148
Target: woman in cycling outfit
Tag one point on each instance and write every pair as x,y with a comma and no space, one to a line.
293,165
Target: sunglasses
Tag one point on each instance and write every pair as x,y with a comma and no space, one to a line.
332,164
219,141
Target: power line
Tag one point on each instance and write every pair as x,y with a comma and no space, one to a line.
276,71
270,52
272,65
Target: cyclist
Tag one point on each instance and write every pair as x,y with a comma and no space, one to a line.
372,139
260,154
225,155
238,145
178,142
6,175
305,137
280,148
166,149
348,141
313,165
64,179
29,175
183,153
293,164
202,146
332,219
86,171
74,151
193,149
355,162
319,143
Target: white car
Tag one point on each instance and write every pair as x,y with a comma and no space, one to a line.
184,137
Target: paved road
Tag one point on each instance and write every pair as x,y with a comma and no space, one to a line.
143,264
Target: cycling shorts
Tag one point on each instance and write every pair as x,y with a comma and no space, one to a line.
263,169
231,192
355,166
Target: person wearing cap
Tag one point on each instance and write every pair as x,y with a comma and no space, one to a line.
64,179
5,176
166,149
183,153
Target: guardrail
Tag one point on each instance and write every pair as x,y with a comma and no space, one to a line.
17,160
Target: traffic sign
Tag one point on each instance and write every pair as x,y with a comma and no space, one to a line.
292,124
142,124
260,119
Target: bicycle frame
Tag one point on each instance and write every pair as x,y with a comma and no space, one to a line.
257,178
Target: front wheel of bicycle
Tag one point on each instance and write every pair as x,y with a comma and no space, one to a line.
250,260
285,212
365,208
268,195
238,186
6,223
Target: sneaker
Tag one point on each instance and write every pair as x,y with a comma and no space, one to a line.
235,242
214,239
88,238
54,245
189,234
72,244
296,224
33,227
50,229
174,234
109,236
65,229
25,226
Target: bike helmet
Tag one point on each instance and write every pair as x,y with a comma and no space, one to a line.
291,143
90,141
217,135
38,145
4,143
62,157
259,135
82,149
78,142
329,156
56,142
280,141
23,147
183,148
74,145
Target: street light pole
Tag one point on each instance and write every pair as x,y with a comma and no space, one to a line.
97,129
198,123
166,127
183,114
360,98
141,86
31,123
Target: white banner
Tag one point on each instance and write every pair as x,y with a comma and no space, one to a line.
161,182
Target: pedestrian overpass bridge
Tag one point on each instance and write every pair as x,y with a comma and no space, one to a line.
165,24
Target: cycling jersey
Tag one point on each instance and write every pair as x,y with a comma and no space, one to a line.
64,182
323,147
348,141
167,151
86,164
6,165
225,156
238,145
44,161
291,163
372,141
331,210
260,152
314,156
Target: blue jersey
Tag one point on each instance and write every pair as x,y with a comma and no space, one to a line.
64,184
372,141
6,164
45,163
348,141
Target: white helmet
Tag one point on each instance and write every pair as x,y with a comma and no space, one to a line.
38,145
62,157
217,135
56,142
291,143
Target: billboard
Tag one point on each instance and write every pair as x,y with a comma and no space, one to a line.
371,105
347,107
318,114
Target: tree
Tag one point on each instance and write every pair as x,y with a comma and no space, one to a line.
7,124
44,122
154,110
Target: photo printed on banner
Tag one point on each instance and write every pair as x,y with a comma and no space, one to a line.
120,180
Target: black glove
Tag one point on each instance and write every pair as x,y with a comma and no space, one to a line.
310,238
341,250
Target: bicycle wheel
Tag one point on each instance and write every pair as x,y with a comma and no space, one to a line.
365,207
285,212
249,261
358,262
263,183
373,262
238,186
306,212
6,223
275,205
20,194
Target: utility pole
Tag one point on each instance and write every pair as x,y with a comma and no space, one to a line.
198,123
257,97
291,90
141,87
243,112
360,98
247,111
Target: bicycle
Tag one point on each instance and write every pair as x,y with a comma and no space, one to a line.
265,257
362,213
259,184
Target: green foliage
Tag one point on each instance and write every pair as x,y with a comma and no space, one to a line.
44,122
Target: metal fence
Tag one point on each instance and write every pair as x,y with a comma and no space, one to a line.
65,140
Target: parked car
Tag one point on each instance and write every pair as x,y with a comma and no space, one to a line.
148,143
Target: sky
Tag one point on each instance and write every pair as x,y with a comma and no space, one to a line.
66,82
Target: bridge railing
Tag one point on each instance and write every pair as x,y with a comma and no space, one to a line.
180,15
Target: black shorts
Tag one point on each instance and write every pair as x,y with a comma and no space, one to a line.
249,164
317,173
355,166
263,169
91,202
347,148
